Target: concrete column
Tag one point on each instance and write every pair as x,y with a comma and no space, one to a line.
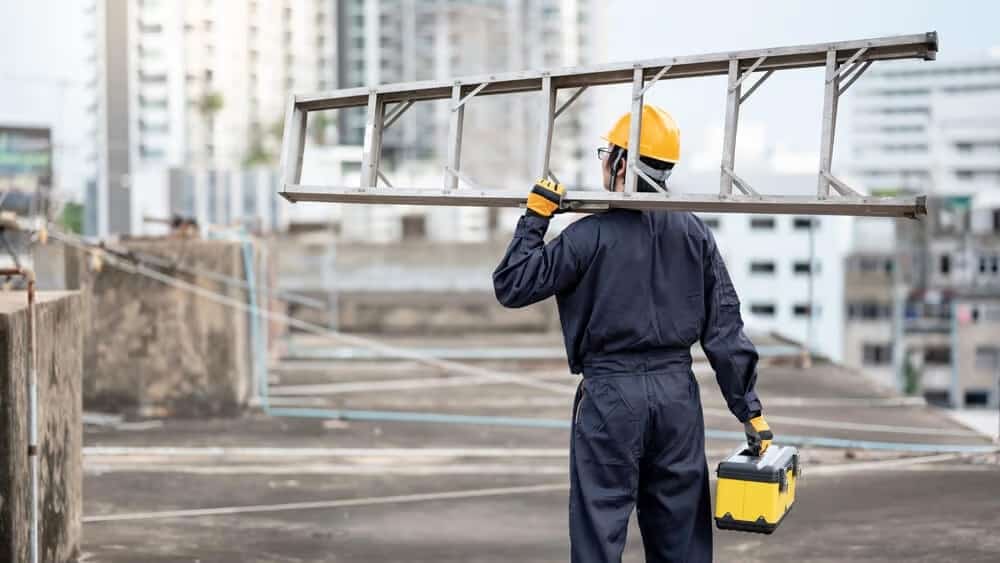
60,430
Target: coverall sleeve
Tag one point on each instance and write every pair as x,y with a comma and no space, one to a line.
732,355
532,270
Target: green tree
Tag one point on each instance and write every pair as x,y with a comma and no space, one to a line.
210,104
911,377
71,218
319,123
257,155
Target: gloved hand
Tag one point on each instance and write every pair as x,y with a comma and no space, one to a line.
759,435
545,198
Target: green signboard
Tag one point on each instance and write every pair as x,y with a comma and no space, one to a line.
25,166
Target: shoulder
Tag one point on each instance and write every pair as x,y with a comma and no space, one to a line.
583,232
682,223
696,228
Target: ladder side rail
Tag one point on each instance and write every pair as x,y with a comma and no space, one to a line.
866,206
884,48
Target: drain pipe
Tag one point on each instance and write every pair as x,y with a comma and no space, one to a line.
29,278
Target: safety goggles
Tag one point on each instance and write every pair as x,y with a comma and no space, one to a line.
659,175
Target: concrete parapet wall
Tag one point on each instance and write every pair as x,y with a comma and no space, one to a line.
60,431
416,287
439,313
164,350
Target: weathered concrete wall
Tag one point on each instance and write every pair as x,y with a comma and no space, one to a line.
416,287
60,434
439,313
166,351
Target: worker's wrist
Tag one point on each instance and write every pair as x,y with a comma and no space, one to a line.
532,213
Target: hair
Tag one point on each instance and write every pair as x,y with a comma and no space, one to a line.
618,156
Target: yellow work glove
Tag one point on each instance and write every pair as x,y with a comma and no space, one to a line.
759,435
545,198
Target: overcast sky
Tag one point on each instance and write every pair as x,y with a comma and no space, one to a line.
784,114
42,47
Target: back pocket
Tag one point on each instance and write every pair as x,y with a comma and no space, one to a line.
606,427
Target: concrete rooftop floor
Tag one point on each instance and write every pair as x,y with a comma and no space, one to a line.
277,489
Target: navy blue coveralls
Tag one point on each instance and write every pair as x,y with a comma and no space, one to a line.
635,291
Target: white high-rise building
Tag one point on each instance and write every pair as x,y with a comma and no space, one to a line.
935,130
931,129
199,85
788,270
392,41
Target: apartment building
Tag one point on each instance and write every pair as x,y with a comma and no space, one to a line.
407,40
935,130
199,84
787,269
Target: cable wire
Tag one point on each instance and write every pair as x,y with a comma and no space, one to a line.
316,329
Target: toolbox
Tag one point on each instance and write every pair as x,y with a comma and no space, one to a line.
753,493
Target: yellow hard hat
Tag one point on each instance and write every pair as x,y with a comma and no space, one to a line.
660,137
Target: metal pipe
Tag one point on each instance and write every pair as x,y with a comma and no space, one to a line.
33,411
562,424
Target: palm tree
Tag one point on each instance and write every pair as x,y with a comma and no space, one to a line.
209,105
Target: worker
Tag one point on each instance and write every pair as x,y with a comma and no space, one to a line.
635,290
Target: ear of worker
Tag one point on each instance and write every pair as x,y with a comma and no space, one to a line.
759,435
545,198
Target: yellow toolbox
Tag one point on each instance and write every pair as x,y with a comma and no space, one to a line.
753,493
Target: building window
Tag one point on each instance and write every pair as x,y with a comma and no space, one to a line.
937,356
868,311
989,264
802,267
944,264
762,309
977,397
876,354
762,267
804,223
870,264
414,227
762,223
711,222
801,310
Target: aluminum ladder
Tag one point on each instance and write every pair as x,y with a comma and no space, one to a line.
844,62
